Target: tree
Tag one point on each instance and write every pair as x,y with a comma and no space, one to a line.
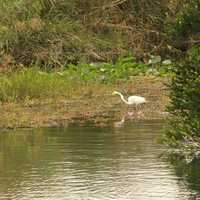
184,126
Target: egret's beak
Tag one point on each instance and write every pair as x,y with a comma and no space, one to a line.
113,93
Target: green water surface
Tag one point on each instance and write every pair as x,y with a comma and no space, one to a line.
92,163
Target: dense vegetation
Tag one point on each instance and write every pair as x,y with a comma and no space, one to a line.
185,106
65,42
31,83
53,33
184,126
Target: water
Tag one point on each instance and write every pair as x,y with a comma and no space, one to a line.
92,163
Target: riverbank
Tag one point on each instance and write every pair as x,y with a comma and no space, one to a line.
89,103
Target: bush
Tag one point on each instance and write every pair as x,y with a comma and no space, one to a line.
185,31
53,33
185,101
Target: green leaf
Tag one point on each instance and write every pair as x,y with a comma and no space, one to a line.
167,62
154,60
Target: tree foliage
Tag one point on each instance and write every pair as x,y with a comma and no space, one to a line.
56,32
53,33
185,99
185,30
185,87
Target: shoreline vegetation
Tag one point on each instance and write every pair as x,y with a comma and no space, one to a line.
33,98
60,61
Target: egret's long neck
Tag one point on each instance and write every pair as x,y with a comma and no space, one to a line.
122,98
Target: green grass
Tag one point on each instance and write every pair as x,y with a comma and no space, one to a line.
32,83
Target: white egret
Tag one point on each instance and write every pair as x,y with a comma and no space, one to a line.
132,100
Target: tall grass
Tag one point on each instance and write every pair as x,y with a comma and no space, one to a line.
33,83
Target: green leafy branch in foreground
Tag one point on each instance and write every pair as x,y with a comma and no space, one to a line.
184,126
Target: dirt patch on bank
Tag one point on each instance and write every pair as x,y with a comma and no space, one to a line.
90,103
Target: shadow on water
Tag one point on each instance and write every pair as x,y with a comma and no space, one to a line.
189,172
92,163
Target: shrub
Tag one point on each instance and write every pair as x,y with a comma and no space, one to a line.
185,31
185,100
52,33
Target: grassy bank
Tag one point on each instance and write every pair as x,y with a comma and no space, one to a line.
28,84
32,83
58,102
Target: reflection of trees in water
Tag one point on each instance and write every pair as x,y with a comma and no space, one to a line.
84,153
190,173
23,152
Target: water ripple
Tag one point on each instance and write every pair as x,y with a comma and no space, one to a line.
90,163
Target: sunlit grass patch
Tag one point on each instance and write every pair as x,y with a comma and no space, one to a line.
33,83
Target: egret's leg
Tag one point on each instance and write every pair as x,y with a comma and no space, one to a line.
139,106
136,108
